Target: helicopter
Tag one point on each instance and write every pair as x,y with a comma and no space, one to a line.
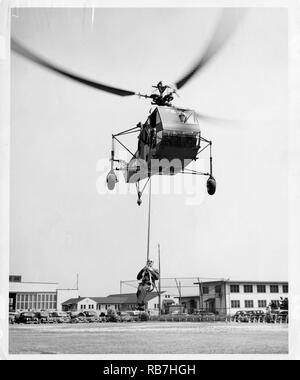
168,142
170,138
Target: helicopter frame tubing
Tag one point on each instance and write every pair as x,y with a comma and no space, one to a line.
137,129
196,172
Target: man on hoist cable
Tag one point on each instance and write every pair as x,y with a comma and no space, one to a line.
148,275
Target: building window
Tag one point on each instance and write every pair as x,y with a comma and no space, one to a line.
218,290
234,288
262,303
15,278
285,288
205,290
248,289
274,289
261,288
235,304
249,304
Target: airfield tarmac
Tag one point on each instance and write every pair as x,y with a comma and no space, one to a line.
149,338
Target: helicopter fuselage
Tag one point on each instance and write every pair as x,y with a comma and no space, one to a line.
168,141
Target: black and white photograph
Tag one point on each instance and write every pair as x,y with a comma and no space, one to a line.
148,180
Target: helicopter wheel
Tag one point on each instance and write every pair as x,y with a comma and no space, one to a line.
211,185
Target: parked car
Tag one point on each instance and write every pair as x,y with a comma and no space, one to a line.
102,317
134,314
27,317
75,317
178,315
60,317
240,316
258,315
44,317
204,314
89,316
181,314
176,312
112,317
12,317
283,315
125,317
278,316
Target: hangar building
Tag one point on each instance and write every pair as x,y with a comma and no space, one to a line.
25,296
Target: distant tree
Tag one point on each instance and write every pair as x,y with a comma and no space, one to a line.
111,315
144,316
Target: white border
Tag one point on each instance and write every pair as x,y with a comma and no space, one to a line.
294,36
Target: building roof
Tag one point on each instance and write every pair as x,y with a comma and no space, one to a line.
240,282
126,298
130,298
72,301
258,282
34,282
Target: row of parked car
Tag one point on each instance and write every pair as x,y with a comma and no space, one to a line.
30,317
275,316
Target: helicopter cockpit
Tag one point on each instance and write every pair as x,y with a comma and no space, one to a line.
173,127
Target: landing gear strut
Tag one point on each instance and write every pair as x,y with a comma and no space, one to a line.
139,201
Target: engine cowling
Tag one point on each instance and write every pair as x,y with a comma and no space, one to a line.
111,180
211,185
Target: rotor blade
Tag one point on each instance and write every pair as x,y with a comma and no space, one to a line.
218,121
26,53
225,28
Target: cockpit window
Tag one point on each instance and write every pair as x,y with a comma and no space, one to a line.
158,119
187,116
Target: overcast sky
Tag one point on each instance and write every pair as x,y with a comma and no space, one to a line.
61,132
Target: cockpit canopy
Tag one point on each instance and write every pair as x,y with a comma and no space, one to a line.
174,119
